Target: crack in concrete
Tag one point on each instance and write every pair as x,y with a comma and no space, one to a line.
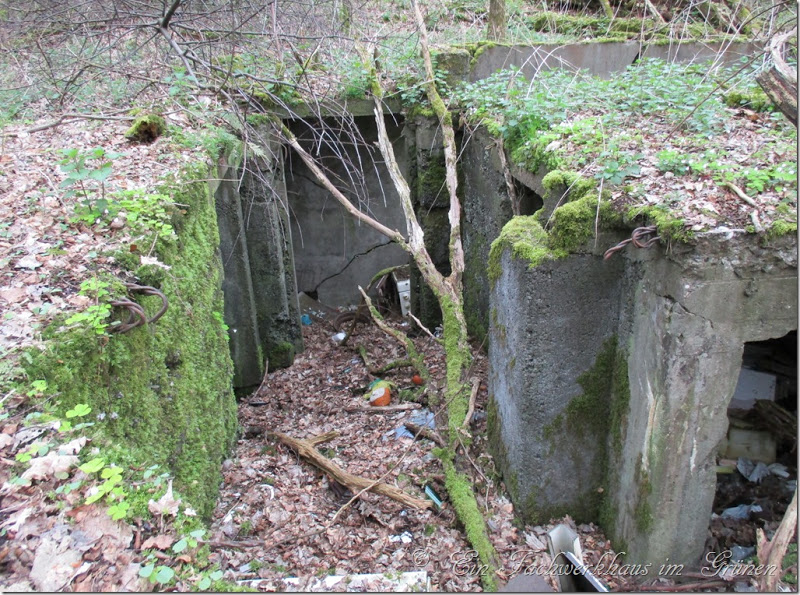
349,262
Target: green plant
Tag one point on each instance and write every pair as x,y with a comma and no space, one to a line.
81,176
96,315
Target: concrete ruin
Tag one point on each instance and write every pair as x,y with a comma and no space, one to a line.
609,379
610,400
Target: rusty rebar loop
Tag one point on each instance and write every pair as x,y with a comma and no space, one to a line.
137,316
642,237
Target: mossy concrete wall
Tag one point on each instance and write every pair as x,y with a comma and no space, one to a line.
610,379
161,393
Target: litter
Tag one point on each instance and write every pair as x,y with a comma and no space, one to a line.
404,537
305,319
739,553
753,472
741,512
423,418
338,338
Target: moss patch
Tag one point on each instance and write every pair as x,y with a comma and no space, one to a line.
146,129
281,356
527,240
164,389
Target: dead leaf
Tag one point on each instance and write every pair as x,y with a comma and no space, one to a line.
48,465
167,504
160,542
28,262
72,447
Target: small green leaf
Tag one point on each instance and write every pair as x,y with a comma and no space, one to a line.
164,575
216,575
198,533
110,472
80,409
93,466
146,571
204,584
179,546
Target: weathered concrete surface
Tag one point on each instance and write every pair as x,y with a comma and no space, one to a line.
269,246
240,309
680,320
487,207
425,153
549,326
694,311
334,253
601,59
261,308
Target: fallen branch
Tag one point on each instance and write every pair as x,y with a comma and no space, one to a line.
305,448
413,355
424,432
384,409
71,117
771,553
424,328
740,193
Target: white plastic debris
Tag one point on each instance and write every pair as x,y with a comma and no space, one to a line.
338,338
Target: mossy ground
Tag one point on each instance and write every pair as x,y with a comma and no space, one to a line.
163,390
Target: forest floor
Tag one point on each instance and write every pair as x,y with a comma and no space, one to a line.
277,511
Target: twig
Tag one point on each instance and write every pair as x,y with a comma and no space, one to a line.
424,328
72,117
476,384
682,588
424,432
740,193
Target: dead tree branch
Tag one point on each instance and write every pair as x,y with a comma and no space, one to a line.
305,448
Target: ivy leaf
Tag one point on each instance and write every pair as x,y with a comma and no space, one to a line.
110,472
80,409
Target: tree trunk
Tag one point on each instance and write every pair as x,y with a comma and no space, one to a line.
496,30
780,81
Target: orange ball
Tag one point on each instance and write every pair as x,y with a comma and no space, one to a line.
417,379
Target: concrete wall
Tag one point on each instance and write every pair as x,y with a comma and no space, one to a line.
601,59
333,252
261,307
611,380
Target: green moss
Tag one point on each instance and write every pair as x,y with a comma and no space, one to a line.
642,512
461,496
753,98
574,185
668,225
164,389
590,26
525,237
281,356
431,186
146,129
